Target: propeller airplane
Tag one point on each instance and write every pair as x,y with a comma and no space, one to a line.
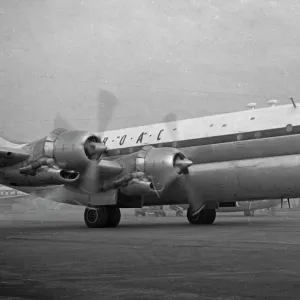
206,162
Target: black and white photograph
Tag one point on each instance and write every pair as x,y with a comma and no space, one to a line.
149,149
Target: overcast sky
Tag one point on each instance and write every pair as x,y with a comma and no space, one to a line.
147,58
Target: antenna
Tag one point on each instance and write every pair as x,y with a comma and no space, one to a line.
294,104
251,105
272,103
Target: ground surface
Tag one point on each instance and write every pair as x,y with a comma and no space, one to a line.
149,258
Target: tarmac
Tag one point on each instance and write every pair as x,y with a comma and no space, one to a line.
53,255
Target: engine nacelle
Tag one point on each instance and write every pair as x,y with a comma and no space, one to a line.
72,150
161,166
57,176
47,176
138,187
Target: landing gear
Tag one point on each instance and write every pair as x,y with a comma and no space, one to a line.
106,216
249,213
205,216
114,216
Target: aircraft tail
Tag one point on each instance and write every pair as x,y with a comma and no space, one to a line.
7,142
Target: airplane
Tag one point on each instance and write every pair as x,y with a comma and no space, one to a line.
8,197
14,201
207,162
248,207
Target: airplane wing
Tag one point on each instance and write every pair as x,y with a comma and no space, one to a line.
10,155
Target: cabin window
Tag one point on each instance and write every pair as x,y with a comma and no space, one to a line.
174,144
130,150
289,128
118,151
224,125
253,118
211,125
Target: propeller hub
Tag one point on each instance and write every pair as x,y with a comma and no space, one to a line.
94,148
183,163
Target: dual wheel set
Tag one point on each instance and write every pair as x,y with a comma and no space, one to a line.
105,216
110,216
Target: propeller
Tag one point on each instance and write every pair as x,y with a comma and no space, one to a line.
195,201
170,121
59,122
90,178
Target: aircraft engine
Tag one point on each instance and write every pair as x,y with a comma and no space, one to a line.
72,150
161,166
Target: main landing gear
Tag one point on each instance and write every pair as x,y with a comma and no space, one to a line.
205,216
105,216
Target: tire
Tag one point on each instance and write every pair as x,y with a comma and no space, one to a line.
205,216
114,216
96,218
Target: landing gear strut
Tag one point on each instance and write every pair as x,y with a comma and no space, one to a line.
106,216
205,216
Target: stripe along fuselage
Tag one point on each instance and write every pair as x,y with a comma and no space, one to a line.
248,155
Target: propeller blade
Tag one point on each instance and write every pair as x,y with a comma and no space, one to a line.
94,150
60,122
106,105
171,123
90,178
194,199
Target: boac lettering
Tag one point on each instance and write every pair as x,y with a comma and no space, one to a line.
104,140
122,140
158,137
140,138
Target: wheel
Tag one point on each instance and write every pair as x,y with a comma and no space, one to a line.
114,216
205,216
96,217
210,216
179,213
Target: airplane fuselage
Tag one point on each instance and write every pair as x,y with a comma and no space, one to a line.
248,155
